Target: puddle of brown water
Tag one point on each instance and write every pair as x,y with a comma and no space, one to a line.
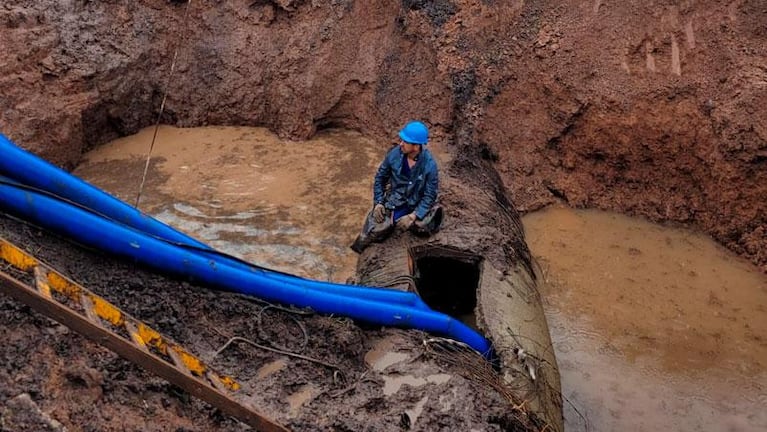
299,398
380,357
392,383
270,368
289,205
654,328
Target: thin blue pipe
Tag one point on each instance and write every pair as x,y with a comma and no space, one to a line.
97,232
28,169
370,293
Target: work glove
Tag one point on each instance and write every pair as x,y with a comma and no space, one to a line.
405,222
379,213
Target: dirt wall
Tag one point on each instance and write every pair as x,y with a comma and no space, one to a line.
649,109
652,109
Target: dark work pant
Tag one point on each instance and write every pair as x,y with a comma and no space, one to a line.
378,232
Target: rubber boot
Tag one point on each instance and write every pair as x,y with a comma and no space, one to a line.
430,224
360,243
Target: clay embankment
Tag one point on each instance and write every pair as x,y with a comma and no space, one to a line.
583,102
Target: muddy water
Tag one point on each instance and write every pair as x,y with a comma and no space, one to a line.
654,328
293,206
384,355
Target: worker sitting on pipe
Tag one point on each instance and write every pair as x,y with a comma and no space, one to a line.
405,190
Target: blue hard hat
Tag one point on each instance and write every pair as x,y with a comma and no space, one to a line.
415,132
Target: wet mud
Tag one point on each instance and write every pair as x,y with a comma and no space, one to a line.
86,387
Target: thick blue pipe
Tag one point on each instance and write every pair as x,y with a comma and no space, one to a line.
99,233
370,293
28,169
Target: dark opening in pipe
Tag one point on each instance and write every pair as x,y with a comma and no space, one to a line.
447,280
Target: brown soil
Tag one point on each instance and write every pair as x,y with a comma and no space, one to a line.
650,108
81,386
647,108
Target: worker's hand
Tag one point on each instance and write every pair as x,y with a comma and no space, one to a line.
406,221
379,213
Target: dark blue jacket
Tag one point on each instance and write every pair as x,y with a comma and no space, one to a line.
418,192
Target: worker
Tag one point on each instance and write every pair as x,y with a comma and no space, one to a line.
405,190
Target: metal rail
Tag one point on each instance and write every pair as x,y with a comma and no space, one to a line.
71,304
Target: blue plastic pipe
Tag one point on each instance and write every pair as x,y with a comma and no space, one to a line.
369,293
28,169
97,232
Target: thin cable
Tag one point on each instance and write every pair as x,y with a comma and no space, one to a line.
162,105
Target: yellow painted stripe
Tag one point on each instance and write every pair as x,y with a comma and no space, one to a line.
16,257
137,339
197,367
229,382
106,310
191,362
151,337
64,286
